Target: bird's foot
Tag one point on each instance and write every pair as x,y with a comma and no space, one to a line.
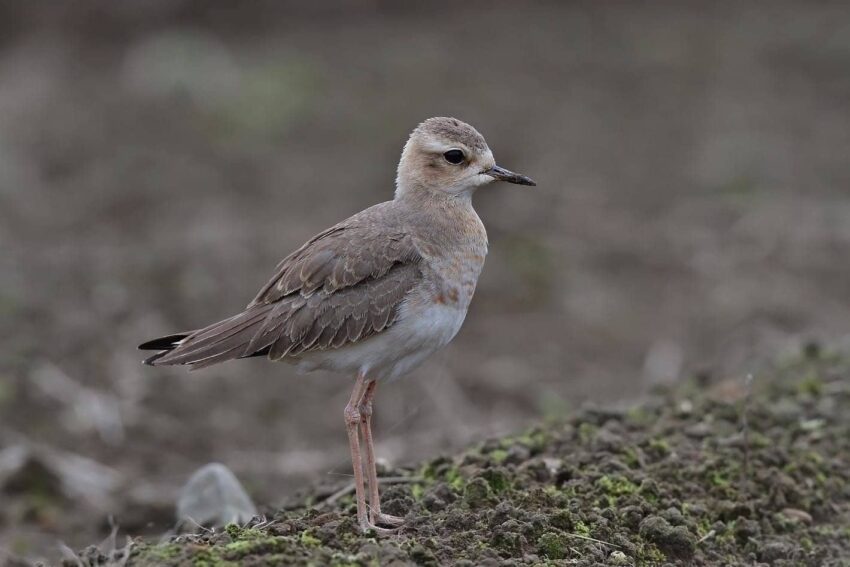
368,527
387,519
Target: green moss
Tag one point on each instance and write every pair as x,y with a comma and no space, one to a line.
632,458
309,540
162,553
638,415
649,554
477,492
497,478
511,542
613,487
417,490
237,532
616,485
552,545
811,384
535,440
455,479
496,513
428,472
586,432
580,528
499,456
718,478
649,490
205,558
562,519
758,440
660,447
261,545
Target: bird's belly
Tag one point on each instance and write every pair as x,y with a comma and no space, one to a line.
419,331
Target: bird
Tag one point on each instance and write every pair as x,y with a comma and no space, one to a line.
372,296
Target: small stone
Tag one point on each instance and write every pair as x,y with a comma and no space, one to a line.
214,497
554,465
618,558
799,515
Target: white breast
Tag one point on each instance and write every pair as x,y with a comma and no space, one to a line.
418,333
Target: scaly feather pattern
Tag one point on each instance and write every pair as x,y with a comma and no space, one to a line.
343,286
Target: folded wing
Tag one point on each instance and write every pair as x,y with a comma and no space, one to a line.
343,286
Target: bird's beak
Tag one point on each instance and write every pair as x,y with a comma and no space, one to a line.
502,174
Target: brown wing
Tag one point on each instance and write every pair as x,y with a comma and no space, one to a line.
363,247
344,285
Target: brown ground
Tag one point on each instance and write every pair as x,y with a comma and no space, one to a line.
158,158
729,478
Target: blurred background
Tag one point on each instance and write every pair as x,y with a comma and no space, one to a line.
158,158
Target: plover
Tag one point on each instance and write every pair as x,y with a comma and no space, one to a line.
374,295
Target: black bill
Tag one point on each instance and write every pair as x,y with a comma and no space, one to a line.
503,174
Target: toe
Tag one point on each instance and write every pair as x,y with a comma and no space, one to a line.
370,528
387,520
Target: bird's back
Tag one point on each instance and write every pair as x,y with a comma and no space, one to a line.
377,292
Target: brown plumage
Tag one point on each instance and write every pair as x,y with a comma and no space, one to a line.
344,285
374,295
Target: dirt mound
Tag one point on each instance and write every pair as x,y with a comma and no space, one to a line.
729,474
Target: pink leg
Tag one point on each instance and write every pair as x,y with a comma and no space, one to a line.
352,423
377,516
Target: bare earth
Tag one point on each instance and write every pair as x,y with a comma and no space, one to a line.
745,477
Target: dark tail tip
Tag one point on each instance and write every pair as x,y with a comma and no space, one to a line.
164,343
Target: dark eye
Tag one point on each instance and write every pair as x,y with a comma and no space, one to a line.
454,156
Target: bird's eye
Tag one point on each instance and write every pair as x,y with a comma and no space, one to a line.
454,156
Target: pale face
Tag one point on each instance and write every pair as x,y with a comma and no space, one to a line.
454,167
450,160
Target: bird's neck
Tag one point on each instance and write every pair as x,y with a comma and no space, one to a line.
445,223
417,194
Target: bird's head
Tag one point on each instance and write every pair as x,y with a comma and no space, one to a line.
448,156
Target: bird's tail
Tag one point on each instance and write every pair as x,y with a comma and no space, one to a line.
218,342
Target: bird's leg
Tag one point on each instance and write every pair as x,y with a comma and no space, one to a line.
352,424
376,515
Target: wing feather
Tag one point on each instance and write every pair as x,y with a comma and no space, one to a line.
343,286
